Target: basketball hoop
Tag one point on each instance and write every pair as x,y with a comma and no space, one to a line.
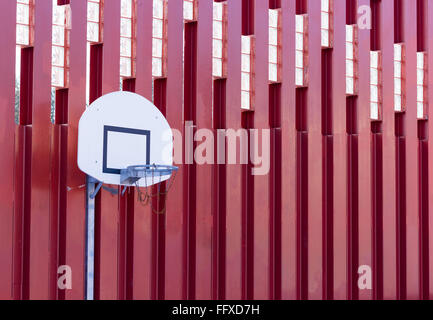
153,174
112,142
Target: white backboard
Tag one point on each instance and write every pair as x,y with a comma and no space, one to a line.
123,129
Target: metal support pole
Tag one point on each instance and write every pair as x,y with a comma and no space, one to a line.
91,191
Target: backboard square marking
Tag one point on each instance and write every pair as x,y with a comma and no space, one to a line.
107,130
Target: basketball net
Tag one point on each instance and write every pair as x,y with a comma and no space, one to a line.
157,190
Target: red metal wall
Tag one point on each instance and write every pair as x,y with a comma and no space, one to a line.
341,193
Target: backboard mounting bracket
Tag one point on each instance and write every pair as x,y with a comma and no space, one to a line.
98,187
